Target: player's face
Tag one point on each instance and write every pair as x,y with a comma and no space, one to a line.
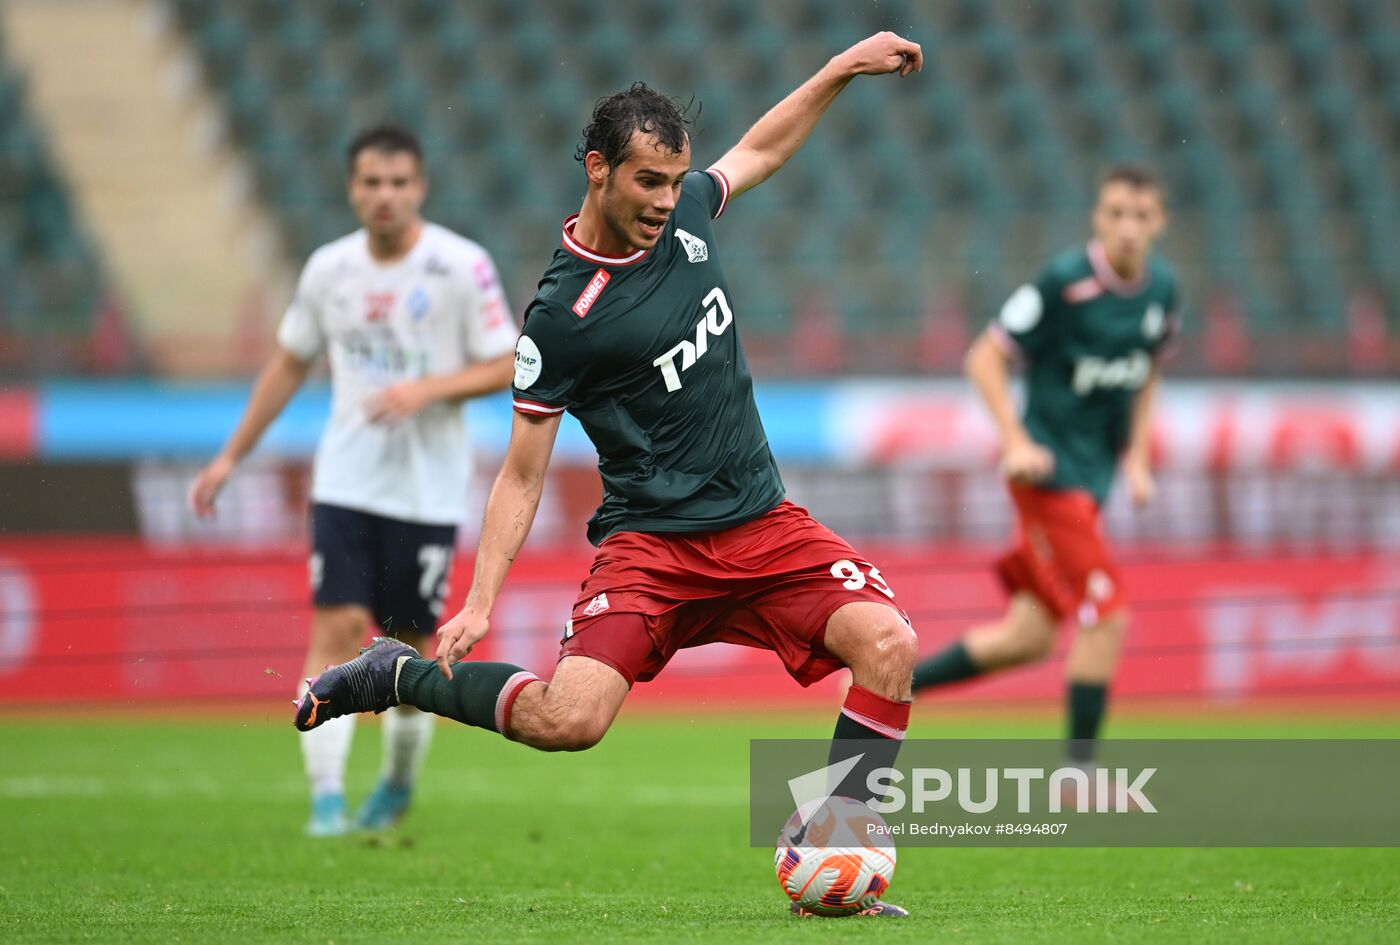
1127,221
386,189
639,194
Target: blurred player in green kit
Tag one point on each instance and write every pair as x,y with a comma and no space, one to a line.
1090,331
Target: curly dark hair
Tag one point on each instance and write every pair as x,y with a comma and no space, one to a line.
641,108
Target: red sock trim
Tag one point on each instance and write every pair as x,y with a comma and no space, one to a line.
887,717
513,687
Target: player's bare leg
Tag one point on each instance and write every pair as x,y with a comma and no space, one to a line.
407,734
1093,657
879,647
571,712
1024,634
336,632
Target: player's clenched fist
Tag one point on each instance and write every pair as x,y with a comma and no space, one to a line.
1025,460
882,54
1142,487
457,637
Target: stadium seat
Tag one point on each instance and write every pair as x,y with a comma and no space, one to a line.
191,15
11,100
423,15
1144,59
222,44
51,281
1075,52
1117,18
1345,19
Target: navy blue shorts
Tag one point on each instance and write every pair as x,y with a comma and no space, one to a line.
397,569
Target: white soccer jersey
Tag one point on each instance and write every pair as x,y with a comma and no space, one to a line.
435,311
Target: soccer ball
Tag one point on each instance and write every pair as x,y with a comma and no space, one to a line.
841,863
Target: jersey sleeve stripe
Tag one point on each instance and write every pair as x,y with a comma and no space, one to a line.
723,182
531,407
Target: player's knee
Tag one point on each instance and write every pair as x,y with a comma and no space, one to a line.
1038,647
1114,625
340,627
1025,635
890,645
902,645
567,730
578,737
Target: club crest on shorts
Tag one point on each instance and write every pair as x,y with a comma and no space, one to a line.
695,249
596,606
1099,586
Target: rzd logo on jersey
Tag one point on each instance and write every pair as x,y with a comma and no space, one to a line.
1129,373
717,318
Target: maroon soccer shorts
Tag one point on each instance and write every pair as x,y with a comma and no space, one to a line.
1061,556
771,583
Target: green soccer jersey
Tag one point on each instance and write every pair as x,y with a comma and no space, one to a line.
644,351
1089,339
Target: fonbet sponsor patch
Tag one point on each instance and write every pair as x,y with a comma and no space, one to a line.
590,292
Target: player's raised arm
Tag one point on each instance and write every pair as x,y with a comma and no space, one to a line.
510,511
279,380
778,134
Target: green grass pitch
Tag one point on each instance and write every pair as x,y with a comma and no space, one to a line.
153,831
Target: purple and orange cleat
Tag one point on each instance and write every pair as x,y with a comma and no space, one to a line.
887,910
368,683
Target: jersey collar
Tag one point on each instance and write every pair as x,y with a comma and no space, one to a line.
1110,279
592,255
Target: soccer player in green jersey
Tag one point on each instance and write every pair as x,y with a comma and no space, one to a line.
634,332
1090,331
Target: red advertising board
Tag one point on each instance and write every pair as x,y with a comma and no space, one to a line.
18,419
117,621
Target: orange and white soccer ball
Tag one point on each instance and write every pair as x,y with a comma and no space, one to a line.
841,863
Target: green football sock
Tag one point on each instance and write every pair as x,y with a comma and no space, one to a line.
950,666
1087,702
478,693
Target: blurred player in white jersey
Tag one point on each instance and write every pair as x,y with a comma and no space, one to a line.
414,321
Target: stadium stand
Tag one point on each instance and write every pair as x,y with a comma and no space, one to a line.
1275,123
51,283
